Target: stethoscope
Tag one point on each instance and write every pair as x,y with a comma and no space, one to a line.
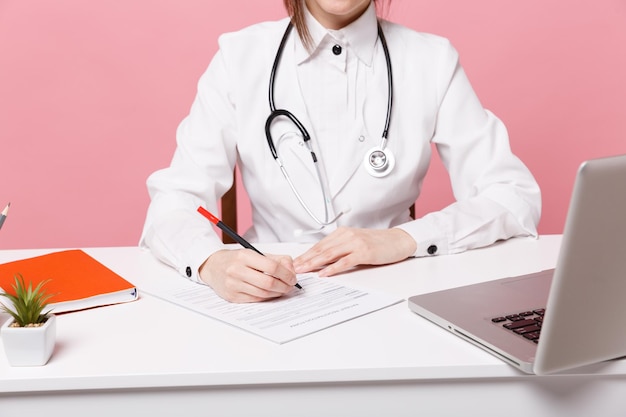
378,161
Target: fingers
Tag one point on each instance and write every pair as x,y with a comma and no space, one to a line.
261,287
346,248
245,276
281,267
338,252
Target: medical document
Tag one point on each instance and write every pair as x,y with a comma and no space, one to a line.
321,304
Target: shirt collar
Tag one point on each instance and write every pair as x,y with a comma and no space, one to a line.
360,36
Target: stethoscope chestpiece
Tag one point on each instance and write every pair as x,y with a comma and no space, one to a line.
379,162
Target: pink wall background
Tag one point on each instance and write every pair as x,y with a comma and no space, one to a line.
91,93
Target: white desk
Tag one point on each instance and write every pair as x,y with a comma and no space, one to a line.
152,358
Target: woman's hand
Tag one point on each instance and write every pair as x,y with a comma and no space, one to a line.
244,276
348,247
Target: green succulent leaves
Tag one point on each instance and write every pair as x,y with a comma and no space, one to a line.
28,303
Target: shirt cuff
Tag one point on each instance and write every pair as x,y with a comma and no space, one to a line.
429,238
198,253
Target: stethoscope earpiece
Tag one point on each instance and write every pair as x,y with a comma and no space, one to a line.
379,162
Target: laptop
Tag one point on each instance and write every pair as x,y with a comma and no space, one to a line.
560,319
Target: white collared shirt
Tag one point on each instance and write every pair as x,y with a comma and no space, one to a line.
336,85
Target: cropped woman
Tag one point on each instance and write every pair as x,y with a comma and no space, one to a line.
330,115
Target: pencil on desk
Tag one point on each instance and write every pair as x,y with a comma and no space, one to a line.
230,232
4,214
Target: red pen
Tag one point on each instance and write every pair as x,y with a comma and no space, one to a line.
230,232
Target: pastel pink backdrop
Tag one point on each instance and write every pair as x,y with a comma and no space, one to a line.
91,93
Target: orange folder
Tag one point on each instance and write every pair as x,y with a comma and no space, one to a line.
76,280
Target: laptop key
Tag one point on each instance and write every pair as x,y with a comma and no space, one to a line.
526,323
532,336
518,324
527,329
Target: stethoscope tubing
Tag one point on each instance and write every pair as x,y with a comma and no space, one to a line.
274,113
383,42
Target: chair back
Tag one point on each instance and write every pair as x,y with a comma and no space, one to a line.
229,210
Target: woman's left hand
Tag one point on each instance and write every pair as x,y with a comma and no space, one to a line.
348,247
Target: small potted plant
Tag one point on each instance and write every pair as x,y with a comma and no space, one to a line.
29,334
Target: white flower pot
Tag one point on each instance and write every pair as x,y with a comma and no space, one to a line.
29,346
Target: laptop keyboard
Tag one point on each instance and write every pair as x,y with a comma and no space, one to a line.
526,323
